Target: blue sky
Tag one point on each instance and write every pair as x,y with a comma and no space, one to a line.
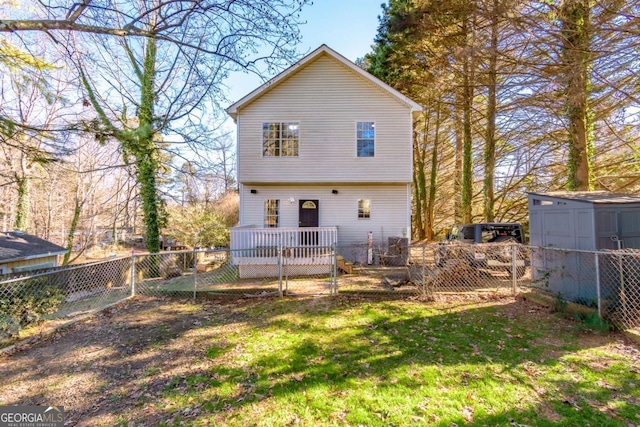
346,26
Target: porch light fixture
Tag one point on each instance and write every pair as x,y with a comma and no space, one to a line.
254,191
292,200
334,191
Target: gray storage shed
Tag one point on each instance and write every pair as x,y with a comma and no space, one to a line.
592,220
585,221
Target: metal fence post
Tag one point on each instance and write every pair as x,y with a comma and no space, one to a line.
133,274
623,292
514,267
280,249
195,272
335,269
598,286
424,270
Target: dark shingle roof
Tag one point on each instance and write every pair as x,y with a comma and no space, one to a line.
16,245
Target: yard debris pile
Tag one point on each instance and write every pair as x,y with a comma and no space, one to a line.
454,274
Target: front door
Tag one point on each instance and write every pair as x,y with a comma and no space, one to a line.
308,217
308,213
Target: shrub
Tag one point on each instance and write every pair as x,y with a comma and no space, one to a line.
26,303
560,304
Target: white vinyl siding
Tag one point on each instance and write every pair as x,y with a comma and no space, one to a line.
389,217
327,98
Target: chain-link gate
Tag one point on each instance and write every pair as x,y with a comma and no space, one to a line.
248,272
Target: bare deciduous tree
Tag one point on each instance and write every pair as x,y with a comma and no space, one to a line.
155,70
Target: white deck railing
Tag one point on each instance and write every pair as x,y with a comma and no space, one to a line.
251,241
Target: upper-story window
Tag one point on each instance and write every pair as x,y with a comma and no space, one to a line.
280,139
366,138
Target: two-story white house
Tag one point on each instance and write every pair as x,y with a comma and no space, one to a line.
324,153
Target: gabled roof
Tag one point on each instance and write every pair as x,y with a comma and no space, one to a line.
16,246
593,196
233,109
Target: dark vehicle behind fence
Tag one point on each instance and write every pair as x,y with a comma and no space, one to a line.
490,246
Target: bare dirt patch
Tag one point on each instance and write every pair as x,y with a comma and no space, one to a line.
115,360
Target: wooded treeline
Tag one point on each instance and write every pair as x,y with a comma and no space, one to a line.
519,96
110,110
111,113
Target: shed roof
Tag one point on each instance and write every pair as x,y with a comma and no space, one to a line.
16,246
595,197
233,109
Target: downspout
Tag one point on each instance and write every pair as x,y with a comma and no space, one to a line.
240,185
408,220
408,236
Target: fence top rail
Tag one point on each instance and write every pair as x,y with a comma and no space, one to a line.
283,247
182,251
609,252
63,269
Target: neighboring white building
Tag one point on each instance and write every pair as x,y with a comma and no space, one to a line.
324,145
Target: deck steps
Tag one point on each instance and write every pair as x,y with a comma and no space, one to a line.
345,266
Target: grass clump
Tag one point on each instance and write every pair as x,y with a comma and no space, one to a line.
593,322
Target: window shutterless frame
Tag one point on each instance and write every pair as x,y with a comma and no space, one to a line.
271,213
365,138
364,208
280,139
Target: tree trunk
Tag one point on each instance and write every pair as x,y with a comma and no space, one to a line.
467,155
576,33
147,169
49,220
420,179
22,214
457,183
490,140
418,189
72,229
433,179
145,152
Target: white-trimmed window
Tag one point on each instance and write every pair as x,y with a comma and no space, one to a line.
271,213
365,139
364,209
280,139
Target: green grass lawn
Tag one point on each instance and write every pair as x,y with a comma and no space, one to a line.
359,362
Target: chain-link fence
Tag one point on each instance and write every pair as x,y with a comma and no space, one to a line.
63,293
434,268
72,291
247,272
607,281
